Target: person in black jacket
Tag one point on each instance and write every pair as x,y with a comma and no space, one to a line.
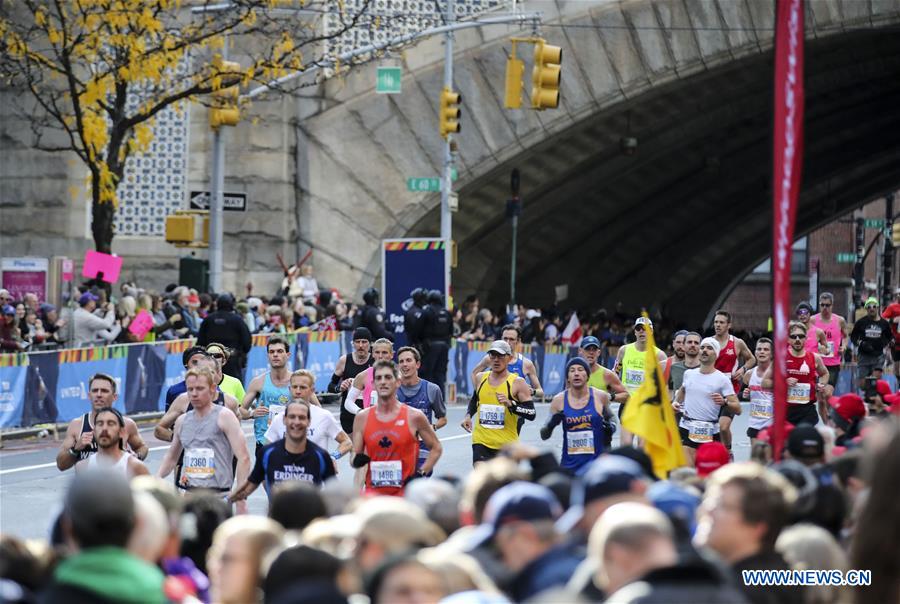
438,331
371,316
226,327
414,319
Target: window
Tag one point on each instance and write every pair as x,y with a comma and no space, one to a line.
799,260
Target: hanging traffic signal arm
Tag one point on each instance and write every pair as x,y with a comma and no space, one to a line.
449,112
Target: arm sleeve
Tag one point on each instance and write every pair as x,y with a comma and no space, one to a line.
524,409
472,408
333,385
350,403
552,421
437,401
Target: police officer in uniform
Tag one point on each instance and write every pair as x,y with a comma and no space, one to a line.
414,319
372,317
438,330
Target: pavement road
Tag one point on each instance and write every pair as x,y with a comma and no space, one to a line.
32,489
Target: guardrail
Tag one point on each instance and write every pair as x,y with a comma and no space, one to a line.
48,387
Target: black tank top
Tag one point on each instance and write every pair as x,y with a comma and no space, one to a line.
351,370
87,427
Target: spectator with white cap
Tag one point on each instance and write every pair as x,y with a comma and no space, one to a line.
87,326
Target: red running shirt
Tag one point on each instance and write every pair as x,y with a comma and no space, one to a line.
393,450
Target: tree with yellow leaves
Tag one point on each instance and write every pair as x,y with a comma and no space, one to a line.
82,61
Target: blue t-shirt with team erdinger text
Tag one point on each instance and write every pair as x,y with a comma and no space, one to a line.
276,464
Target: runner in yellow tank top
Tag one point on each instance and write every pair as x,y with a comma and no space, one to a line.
630,367
500,399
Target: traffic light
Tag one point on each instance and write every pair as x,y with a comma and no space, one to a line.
188,228
545,76
895,234
224,109
449,112
514,70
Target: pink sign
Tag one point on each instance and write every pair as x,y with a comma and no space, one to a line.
141,324
96,263
25,276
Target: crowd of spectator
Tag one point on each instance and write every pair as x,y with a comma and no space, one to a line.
515,529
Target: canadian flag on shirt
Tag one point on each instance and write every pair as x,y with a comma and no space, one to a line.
571,335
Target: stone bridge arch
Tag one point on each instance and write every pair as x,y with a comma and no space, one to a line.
670,226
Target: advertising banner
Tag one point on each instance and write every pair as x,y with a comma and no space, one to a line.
405,265
25,275
12,394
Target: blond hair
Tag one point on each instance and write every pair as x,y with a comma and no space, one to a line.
202,372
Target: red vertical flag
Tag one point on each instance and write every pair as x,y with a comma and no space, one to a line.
787,165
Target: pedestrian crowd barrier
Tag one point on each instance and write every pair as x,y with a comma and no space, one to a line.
44,387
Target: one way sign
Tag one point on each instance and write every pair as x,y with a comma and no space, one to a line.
233,202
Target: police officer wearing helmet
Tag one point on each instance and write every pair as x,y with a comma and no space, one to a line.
438,330
226,327
414,319
372,317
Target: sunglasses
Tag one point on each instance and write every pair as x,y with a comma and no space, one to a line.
826,304
797,336
639,328
218,356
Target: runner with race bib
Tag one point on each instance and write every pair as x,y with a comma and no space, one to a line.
704,391
580,409
807,380
762,410
500,399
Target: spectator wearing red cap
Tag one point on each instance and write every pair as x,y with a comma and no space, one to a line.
711,457
846,413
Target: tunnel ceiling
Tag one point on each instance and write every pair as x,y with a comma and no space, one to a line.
678,222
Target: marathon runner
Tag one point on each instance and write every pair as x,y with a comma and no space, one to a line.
870,335
807,380
272,390
420,394
735,359
580,409
702,393
210,436
761,399
836,335
815,337
677,354
362,393
79,442
500,398
292,458
110,425
630,367
348,367
522,367
189,358
892,315
322,429
605,380
229,384
386,437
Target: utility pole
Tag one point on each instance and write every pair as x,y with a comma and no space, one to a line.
513,210
216,203
887,257
447,182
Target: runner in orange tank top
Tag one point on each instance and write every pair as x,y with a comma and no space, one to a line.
386,437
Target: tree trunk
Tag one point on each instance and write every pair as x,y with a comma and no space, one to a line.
102,215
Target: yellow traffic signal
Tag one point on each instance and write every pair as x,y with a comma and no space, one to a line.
514,70
179,229
224,109
895,234
449,112
545,76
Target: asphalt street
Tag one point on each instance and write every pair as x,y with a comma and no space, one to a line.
32,489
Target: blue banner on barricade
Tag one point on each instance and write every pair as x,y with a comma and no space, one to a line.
75,369
324,351
12,394
40,389
145,378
